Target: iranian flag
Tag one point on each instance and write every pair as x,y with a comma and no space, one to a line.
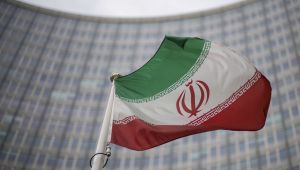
189,86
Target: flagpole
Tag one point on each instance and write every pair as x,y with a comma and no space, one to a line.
98,161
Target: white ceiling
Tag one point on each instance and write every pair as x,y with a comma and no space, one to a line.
130,8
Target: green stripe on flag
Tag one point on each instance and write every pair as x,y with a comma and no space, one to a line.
176,60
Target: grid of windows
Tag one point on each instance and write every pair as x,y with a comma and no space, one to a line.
54,85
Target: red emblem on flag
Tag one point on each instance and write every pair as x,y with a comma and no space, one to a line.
198,98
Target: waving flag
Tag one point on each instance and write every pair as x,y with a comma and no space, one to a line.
189,86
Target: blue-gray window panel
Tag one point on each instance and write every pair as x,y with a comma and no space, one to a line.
104,86
23,92
51,160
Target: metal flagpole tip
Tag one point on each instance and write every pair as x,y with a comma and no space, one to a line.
114,76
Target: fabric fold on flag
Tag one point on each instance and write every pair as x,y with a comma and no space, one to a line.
189,86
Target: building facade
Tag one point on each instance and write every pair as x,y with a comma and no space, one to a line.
55,69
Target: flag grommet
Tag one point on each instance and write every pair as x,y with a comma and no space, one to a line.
114,76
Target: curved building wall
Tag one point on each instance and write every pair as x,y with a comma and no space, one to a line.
55,69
